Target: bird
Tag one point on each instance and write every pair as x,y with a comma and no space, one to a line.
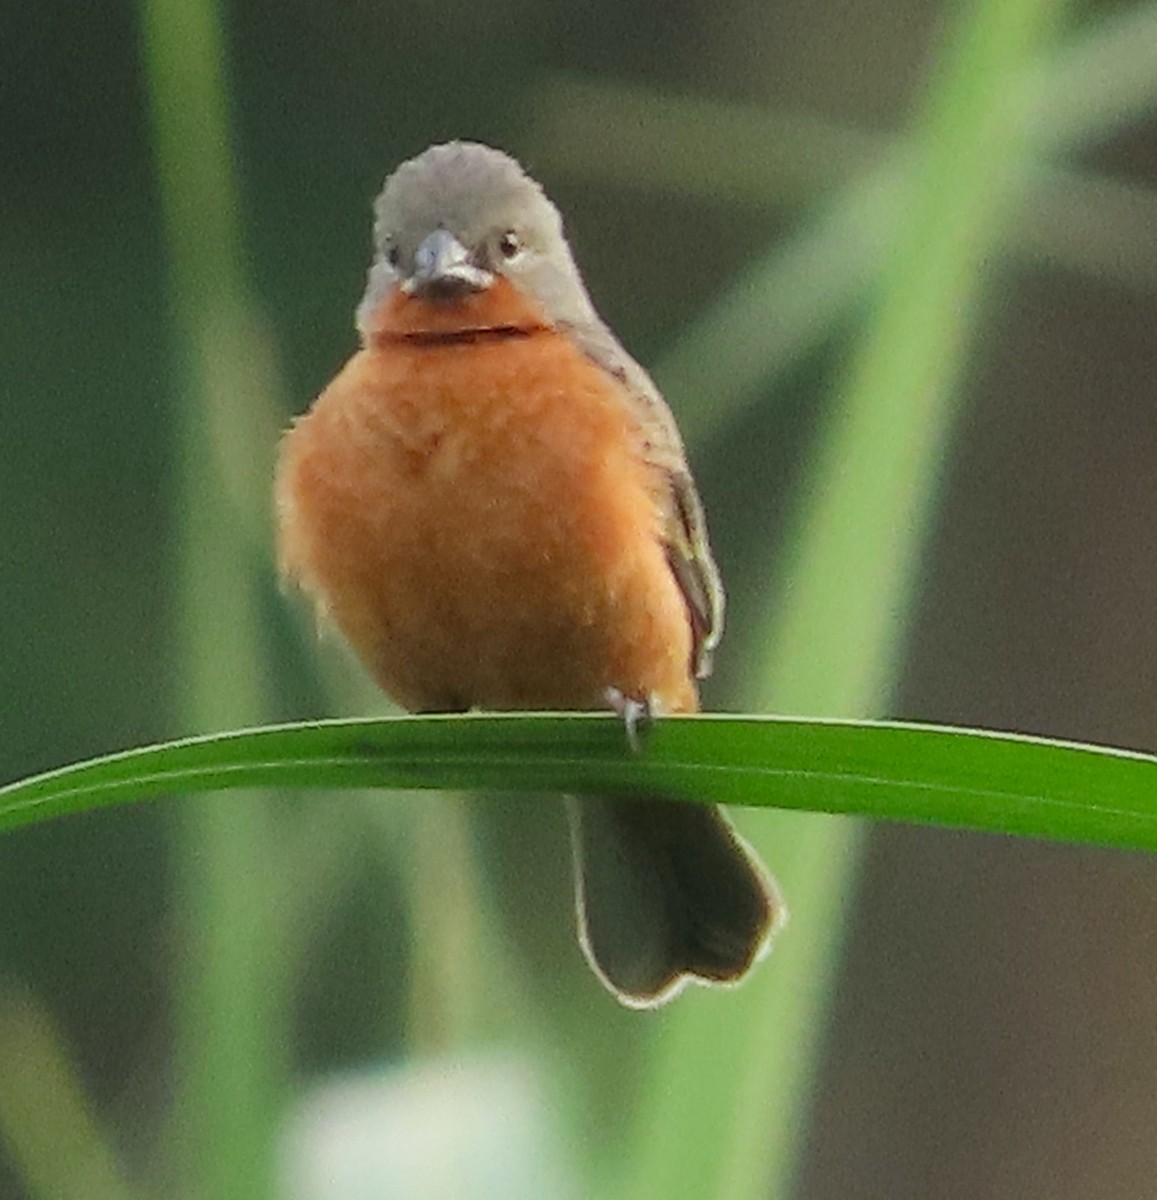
492,502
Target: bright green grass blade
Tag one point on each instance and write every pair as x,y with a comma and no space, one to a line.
968,779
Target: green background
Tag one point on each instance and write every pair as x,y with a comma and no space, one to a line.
922,420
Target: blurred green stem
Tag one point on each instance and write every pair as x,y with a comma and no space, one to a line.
1100,81
45,1118
729,1099
230,1028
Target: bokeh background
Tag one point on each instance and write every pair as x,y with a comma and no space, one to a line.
379,995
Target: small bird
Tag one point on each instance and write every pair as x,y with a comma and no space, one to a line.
492,503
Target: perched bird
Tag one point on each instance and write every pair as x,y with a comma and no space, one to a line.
492,503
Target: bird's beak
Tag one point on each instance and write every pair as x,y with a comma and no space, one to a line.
443,270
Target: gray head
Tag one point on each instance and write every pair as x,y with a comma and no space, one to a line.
458,217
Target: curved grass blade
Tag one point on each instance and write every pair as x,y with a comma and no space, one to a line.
964,778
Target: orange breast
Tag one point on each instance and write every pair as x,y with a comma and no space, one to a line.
476,519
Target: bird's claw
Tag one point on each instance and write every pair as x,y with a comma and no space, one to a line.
635,712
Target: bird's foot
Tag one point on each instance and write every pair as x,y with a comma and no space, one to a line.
636,713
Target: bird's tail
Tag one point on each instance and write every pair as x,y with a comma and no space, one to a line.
667,892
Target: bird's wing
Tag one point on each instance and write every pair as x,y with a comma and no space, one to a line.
684,525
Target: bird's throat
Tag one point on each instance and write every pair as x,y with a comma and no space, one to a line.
461,337
498,313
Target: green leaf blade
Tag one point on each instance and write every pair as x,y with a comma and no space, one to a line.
962,778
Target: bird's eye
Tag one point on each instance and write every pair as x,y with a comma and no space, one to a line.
393,256
508,244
